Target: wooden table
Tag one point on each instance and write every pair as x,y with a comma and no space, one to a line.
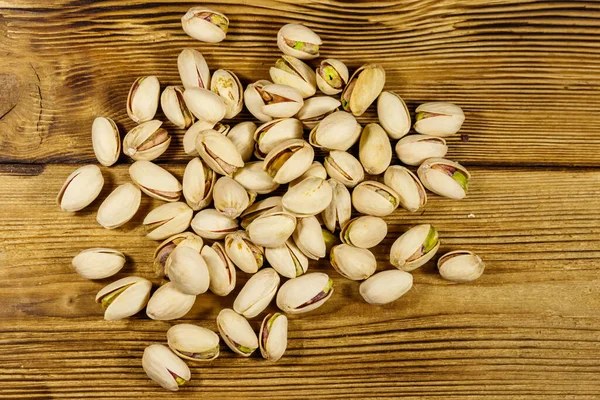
525,72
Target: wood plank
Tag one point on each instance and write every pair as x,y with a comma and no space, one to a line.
524,72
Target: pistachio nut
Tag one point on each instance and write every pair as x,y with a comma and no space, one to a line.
274,132
289,70
337,131
289,160
298,41
344,168
211,224
253,178
414,149
393,114
254,101
192,342
155,181
164,367
193,69
309,197
272,228
80,188
415,247
237,332
460,266
445,178
259,208
190,136
374,198
316,169
205,25
273,336
220,268
142,100
98,263
227,85
124,298
316,109
363,88
364,232
186,268
169,303
309,239
337,213
287,259
198,184
257,293
120,206
106,141
204,104
174,107
167,220
280,101
246,255
304,293
375,150
146,141
242,136
229,197
330,240
352,262
438,119
332,76
411,193
386,286
219,152
162,252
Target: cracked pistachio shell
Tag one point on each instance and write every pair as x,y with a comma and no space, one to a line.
445,178
337,131
164,367
155,181
304,293
460,266
393,115
211,224
316,109
411,193
254,101
257,293
218,152
119,206
374,198
186,268
272,228
280,101
386,286
205,25
80,188
273,336
364,232
414,247
332,76
162,252
364,87
142,100
237,332
299,41
204,104
309,238
337,213
253,178
174,108
229,197
316,169
287,259
275,132
198,184
220,268
106,141
242,136
169,303
352,262
259,208
124,297
190,136
227,85
375,150
289,160
193,69
290,71
146,141
309,197
98,263
167,220
344,167
438,119
246,255
192,342
415,149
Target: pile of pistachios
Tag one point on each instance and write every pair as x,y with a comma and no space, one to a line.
270,237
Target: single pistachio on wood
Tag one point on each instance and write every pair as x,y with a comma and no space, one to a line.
146,141
106,141
242,137
174,107
289,160
316,169
299,41
339,209
337,131
98,263
237,332
259,208
289,70
155,181
248,256
438,119
190,136
332,76
120,206
254,101
192,342
164,367
273,336
253,178
257,293
124,298
374,198
280,101
415,149
393,115
204,104
386,286
460,266
193,69
162,252
80,188
411,193
211,224
375,150
304,293
445,178
309,239
415,247
316,109
198,184
227,85
167,220
352,262
275,132
142,100
186,268
344,168
309,197
229,197
272,228
219,152
363,88
220,268
169,303
205,25
287,259
364,232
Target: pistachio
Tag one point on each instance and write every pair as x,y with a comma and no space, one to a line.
253,178
438,119
272,228
155,181
298,41
445,178
337,131
330,240
204,104
411,193
352,262
280,101
339,209
257,293
190,136
237,332
309,239
363,88
168,303
205,25
142,101
332,76
289,160
164,367
198,184
316,169
146,141
414,149
287,259
304,293
193,69
275,132
364,232
124,298
344,168
186,268
218,152
106,141
415,247
273,336
374,198
393,115
242,137
254,100
316,109
309,197
289,70
229,197
162,252
375,150
211,224
246,255
460,266
227,85
259,208
80,188
386,286
98,263
192,342
174,107
120,206
220,268
167,220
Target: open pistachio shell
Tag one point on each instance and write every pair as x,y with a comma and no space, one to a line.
309,239
211,224
259,208
415,149
460,266
80,188
146,141
352,262
227,85
344,168
120,206
254,100
411,193
220,268
237,332
445,178
298,41
186,268
142,101
275,132
98,263
204,104
169,303
304,293
218,152
253,178
164,367
339,209
386,286
193,69
273,336
316,169
363,88
205,25
337,131
167,220
155,181
124,298
162,252
374,198
280,101
272,228
365,231
393,114
257,293
438,119
415,247
289,70
332,76
229,197
242,137
106,141
248,256
174,107
289,160
287,259
198,184
316,109
374,150
309,197
192,342
190,136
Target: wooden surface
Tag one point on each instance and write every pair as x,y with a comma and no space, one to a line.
526,74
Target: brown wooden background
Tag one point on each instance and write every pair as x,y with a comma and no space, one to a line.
527,74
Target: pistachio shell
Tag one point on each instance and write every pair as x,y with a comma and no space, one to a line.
190,136
344,168
375,150
254,101
415,149
193,69
337,131
460,266
205,25
220,268
155,181
252,177
332,76
80,188
142,101
227,85
246,255
229,197
316,169
309,239
273,336
374,198
259,208
168,303
316,109
386,286
192,342
146,141
339,209
106,141
162,252
414,247
352,262
174,107
186,268
298,41
280,101
167,220
164,367
363,88
364,232
438,119
289,160
287,259
309,197
204,104
393,114
198,184
304,293
257,293
290,71
98,263
218,152
445,178
411,193
275,132
124,298
242,137
120,206
272,228
237,332
211,224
